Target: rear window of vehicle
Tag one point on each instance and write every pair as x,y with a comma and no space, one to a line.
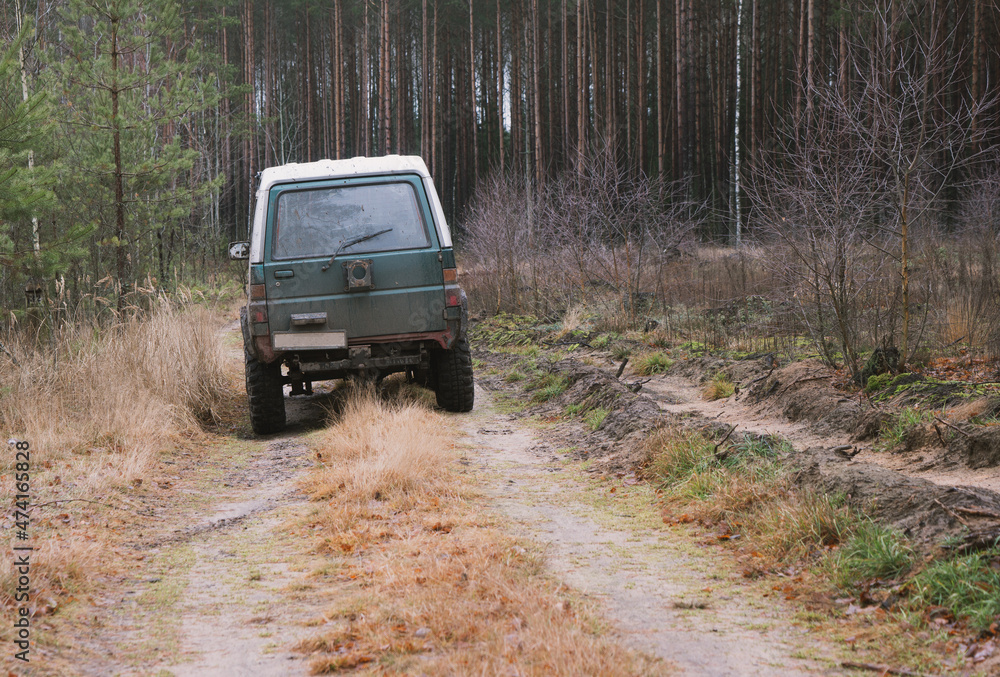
321,221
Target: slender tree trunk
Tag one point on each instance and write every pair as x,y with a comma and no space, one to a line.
640,77
474,119
434,101
581,140
121,253
424,89
385,114
536,63
500,81
310,130
35,242
365,119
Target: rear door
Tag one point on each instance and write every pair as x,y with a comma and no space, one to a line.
357,255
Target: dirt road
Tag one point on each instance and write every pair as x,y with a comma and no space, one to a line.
225,588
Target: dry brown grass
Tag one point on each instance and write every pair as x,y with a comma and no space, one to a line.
744,488
103,403
60,564
429,582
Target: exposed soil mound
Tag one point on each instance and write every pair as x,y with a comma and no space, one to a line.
802,391
978,447
974,447
617,442
928,513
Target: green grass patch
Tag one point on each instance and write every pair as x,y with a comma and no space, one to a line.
894,432
719,388
620,351
695,348
873,551
604,340
648,364
505,330
545,387
595,417
968,586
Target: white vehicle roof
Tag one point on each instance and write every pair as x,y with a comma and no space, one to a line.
335,169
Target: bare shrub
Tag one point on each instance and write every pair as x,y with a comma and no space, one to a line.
598,236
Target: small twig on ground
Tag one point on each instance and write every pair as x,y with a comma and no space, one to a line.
78,500
956,428
569,343
978,513
804,380
761,378
951,512
937,429
621,368
884,669
715,451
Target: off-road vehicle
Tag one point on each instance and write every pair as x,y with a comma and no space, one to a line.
352,274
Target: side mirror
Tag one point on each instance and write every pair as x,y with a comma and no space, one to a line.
239,251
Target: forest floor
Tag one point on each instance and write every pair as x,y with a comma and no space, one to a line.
216,572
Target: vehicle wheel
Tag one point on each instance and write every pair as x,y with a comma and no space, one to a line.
265,395
453,374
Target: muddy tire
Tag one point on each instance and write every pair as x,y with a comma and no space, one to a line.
265,395
452,370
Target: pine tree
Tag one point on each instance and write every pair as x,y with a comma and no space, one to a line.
132,90
21,126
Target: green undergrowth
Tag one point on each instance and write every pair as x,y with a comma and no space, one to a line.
968,586
894,432
745,490
546,386
505,331
651,363
918,389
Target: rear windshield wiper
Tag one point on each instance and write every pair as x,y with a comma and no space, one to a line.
351,243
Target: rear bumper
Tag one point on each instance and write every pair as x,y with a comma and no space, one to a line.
456,324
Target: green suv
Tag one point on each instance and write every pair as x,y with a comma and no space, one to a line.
352,274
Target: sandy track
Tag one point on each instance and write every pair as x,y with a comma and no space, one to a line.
663,595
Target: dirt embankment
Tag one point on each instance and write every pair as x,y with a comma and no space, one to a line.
832,432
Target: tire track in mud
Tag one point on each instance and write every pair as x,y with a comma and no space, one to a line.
662,595
234,619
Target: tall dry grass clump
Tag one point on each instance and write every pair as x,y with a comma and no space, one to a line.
381,449
106,400
421,579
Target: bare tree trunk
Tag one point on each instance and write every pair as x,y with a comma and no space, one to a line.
580,87
640,76
500,80
365,121
310,131
810,60
424,98
121,254
565,84
385,114
536,63
472,97
35,243
434,99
